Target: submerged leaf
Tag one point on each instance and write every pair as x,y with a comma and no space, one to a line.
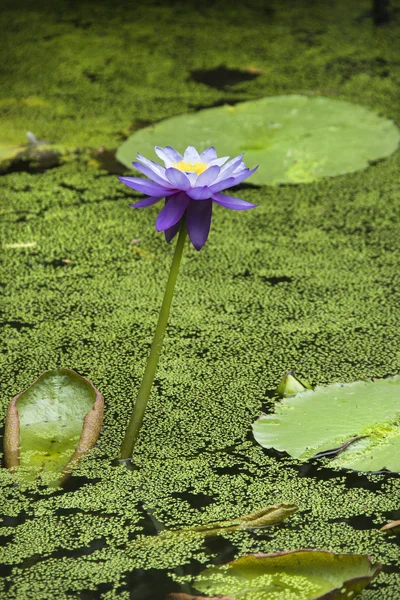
295,575
52,424
356,423
182,596
294,139
263,517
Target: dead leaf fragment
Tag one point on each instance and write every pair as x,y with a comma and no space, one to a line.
255,70
21,245
391,528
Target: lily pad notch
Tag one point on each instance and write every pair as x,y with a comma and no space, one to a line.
53,423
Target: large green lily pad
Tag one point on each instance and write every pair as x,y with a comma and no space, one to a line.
52,423
293,139
296,575
358,424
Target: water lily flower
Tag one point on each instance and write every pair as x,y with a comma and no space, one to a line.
190,184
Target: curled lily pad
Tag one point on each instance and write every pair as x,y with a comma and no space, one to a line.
295,575
293,139
356,424
291,385
52,424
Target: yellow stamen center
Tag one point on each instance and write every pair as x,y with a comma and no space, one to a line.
188,167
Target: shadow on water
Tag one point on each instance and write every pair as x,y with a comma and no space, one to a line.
18,325
222,77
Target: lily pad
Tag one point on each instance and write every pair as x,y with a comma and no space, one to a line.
295,575
293,139
31,157
291,385
52,424
358,424
8,152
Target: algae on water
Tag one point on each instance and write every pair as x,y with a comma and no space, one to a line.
309,282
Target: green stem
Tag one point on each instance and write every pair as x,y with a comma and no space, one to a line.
136,419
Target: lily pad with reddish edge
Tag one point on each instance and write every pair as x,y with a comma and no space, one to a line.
51,425
303,574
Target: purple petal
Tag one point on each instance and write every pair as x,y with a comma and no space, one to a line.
208,176
192,176
209,154
172,212
160,170
218,161
172,231
191,155
222,185
168,155
146,202
230,166
231,202
178,179
199,193
146,187
243,175
150,173
198,221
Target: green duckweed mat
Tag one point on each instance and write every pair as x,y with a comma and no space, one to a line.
308,280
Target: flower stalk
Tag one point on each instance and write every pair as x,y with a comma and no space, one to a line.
190,184
132,431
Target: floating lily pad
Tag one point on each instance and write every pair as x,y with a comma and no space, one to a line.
8,152
357,424
296,575
293,139
52,424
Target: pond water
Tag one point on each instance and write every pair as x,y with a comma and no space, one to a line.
309,280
